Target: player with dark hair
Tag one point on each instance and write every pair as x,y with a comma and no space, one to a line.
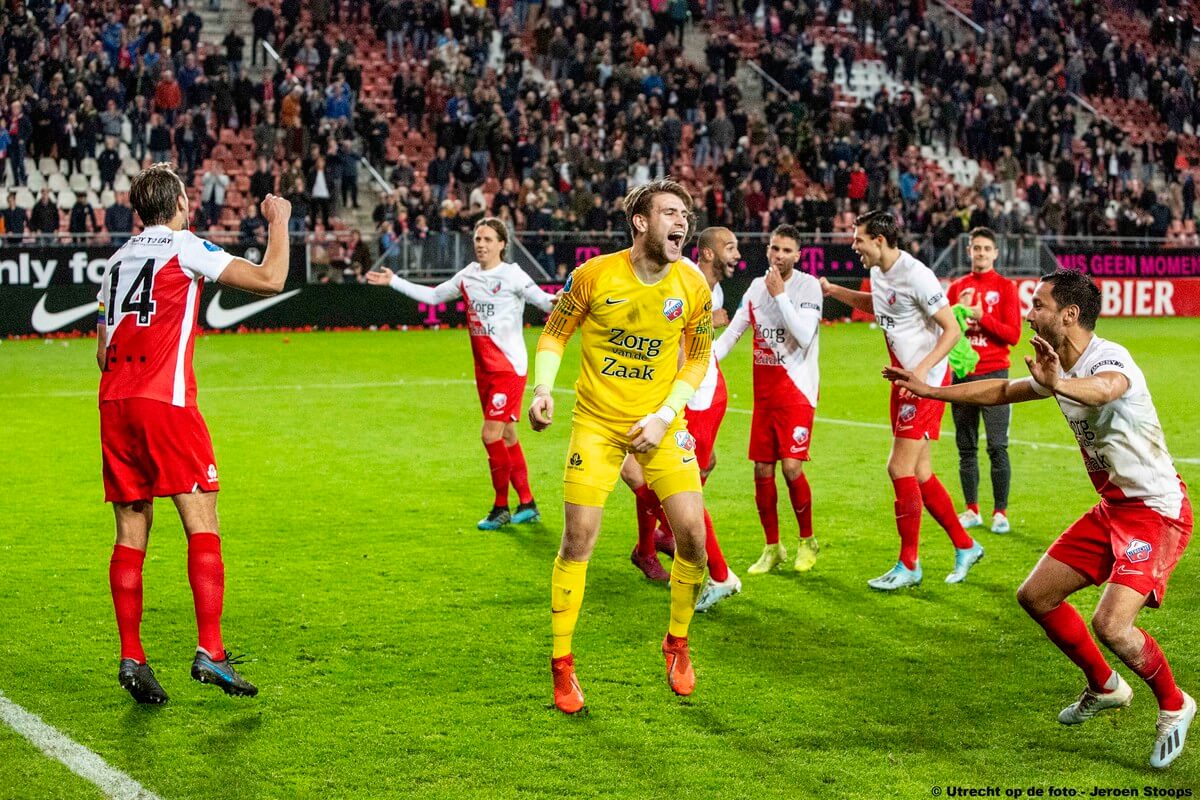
153,439
1133,538
636,309
993,327
920,330
784,309
495,293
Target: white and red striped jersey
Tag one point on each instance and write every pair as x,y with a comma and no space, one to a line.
702,400
786,333
1122,442
495,300
905,298
149,302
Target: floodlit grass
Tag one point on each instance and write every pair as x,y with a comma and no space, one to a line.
400,652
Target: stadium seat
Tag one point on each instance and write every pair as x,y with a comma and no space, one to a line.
66,200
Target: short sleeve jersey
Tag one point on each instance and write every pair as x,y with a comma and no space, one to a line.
632,333
149,301
905,298
1122,442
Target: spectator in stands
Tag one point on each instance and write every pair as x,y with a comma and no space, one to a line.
82,219
5,141
301,207
262,181
16,220
168,97
138,114
159,139
235,47
214,185
43,220
118,219
252,230
349,156
262,20
19,132
438,174
466,171
108,163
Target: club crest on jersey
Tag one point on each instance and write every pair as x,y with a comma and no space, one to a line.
673,309
800,434
908,412
212,473
991,298
685,441
891,298
494,287
499,400
1138,551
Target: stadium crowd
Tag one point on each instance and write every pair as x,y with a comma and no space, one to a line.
546,114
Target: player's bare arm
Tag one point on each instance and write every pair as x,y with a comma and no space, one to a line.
851,297
997,392
1094,390
945,343
101,338
268,277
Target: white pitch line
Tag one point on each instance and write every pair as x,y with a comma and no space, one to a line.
77,758
300,387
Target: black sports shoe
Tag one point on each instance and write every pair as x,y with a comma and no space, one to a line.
206,669
139,681
526,513
497,518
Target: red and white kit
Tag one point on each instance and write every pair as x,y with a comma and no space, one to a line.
706,408
1138,531
154,440
786,375
495,301
905,299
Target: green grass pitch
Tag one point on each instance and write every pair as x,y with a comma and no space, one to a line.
402,653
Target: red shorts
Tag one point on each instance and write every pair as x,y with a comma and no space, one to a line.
154,449
703,425
500,395
916,417
1126,543
779,433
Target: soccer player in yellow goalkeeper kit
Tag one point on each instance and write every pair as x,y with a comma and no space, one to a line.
636,309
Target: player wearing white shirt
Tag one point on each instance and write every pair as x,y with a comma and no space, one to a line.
495,294
910,308
153,439
1133,538
784,310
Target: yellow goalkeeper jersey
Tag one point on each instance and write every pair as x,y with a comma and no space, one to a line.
632,336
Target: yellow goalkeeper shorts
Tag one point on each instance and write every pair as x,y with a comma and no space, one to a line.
597,450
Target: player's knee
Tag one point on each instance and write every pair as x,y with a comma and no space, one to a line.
1035,603
1110,628
762,471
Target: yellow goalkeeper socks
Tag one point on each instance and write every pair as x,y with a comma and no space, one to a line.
566,598
686,581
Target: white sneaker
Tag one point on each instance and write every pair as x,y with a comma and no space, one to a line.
1000,523
1172,733
970,519
898,577
716,591
1091,703
772,556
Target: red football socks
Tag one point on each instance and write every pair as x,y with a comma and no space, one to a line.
938,501
206,574
647,520
519,473
499,465
801,496
908,518
1070,634
1152,667
718,570
973,507
766,497
125,581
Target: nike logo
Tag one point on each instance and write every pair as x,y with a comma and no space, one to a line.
218,317
1123,570
689,459
44,321
612,302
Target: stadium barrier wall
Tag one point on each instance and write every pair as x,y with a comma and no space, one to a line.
52,291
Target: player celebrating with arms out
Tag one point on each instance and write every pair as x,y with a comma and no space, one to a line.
784,307
495,293
153,439
1133,538
636,310
919,327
